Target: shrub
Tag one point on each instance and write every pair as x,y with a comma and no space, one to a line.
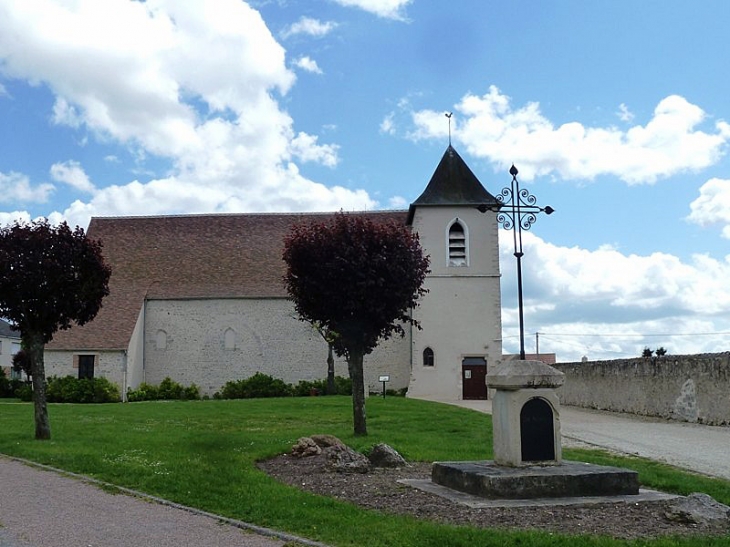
81,390
170,390
344,385
4,385
191,393
305,388
145,392
8,388
24,393
258,385
167,390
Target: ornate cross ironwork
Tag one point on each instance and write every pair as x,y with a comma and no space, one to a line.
517,211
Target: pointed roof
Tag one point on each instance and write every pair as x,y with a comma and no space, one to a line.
453,183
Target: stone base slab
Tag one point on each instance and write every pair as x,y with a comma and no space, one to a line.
486,479
475,502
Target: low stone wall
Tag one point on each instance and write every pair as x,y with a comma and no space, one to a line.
690,388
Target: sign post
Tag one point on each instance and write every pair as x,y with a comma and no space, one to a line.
384,379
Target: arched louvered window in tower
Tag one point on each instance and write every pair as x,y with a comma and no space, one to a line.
457,245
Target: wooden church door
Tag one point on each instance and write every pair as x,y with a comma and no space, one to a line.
474,378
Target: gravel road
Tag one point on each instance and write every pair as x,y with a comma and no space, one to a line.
42,508
697,447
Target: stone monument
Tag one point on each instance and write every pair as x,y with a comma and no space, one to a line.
527,445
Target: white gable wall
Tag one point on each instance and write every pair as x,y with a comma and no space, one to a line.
461,314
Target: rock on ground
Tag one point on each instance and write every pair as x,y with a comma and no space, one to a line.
383,455
698,509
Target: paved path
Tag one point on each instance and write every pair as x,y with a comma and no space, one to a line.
701,448
42,508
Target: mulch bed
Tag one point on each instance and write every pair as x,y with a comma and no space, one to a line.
379,490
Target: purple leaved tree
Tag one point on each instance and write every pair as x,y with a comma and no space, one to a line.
357,280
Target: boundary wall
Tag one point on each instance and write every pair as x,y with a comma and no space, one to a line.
690,388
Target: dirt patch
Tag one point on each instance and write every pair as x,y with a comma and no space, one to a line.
379,490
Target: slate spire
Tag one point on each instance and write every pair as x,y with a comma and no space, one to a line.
453,183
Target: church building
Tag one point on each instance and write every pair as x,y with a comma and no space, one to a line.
201,299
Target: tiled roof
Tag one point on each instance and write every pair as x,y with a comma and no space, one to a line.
453,183
7,331
191,256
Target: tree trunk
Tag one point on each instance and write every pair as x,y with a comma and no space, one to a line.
331,387
354,364
37,368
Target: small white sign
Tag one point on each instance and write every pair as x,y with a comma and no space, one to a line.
384,379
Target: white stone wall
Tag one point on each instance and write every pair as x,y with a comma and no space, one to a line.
461,314
210,342
109,364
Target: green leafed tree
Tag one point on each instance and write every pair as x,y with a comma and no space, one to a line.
357,280
50,277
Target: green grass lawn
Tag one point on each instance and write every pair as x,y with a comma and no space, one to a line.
203,454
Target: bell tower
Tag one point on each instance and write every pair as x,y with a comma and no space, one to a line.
460,316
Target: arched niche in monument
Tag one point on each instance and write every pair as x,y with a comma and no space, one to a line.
537,433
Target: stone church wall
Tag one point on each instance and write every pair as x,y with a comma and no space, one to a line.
109,364
210,342
691,388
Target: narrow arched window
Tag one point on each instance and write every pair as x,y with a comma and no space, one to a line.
457,244
229,339
161,339
428,359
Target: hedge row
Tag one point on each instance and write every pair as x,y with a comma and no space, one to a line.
69,389
262,385
8,387
167,390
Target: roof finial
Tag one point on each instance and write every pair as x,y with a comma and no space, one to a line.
448,115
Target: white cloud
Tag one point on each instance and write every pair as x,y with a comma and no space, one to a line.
388,9
310,27
137,73
72,174
713,205
308,64
22,217
398,202
305,147
670,142
605,303
16,187
624,114
387,126
3,91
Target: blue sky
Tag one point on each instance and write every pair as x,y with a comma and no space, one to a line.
615,113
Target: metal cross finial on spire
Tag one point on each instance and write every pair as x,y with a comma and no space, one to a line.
448,115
